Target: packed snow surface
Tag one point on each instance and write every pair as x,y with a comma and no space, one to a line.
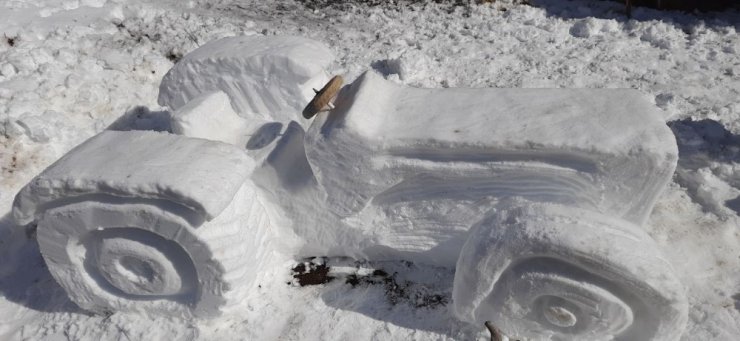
160,241
141,164
210,116
91,62
578,143
550,271
268,77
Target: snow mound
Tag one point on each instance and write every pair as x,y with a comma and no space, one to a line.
127,221
265,77
544,271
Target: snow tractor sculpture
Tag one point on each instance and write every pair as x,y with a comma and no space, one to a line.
535,196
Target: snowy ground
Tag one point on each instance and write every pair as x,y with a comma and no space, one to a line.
69,69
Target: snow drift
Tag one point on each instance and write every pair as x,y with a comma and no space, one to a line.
127,221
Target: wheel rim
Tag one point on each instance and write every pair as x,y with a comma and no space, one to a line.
154,263
138,262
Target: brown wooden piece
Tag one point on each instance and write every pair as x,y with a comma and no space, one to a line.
323,97
495,332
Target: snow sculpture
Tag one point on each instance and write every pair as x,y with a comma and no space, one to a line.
411,169
534,195
547,271
269,78
128,221
210,116
434,161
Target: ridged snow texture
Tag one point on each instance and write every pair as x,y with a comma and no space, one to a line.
128,221
412,169
544,271
269,78
409,171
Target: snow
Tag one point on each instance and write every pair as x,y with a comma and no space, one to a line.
109,61
140,164
268,77
550,267
118,239
584,137
211,117
376,167
388,153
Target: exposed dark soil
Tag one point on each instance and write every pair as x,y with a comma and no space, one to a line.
396,290
410,293
173,55
10,41
309,273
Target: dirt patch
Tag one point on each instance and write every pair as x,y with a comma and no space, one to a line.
400,291
15,159
309,273
10,41
174,55
320,270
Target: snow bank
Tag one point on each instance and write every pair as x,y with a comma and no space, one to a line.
265,77
129,221
545,271
428,163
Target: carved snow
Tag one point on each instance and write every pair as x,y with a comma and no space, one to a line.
210,116
140,164
268,78
128,221
535,195
547,271
412,169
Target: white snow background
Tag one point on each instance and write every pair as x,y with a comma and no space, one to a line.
69,69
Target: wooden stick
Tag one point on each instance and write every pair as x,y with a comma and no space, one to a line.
495,332
323,97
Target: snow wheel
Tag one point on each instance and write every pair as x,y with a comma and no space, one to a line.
553,272
135,256
144,226
323,97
